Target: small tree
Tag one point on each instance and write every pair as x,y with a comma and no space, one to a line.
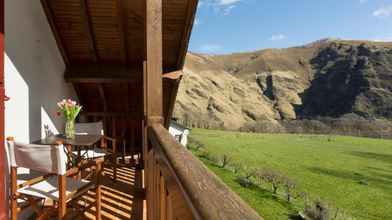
245,178
289,186
225,160
272,177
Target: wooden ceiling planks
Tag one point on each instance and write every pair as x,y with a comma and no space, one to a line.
68,18
113,31
103,44
106,27
88,27
136,31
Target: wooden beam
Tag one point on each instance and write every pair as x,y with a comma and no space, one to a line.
130,115
122,7
173,75
129,79
154,61
188,25
89,30
102,74
172,98
60,42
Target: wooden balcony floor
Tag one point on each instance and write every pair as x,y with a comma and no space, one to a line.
121,199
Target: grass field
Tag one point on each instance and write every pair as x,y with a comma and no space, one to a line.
353,174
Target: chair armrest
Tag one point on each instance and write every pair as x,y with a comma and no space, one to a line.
34,181
83,165
113,140
109,138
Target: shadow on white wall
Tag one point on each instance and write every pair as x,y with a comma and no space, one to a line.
34,72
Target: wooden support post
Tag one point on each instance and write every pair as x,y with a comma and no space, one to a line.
105,106
154,61
153,96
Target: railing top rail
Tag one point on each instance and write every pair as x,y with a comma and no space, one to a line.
211,198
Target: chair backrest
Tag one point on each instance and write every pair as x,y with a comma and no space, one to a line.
42,158
94,128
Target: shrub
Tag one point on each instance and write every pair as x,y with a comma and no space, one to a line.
216,160
244,182
317,210
195,144
236,167
204,154
341,215
248,172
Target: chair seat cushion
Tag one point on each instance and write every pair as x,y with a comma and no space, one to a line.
48,189
93,153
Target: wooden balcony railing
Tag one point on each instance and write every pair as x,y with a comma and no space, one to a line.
179,186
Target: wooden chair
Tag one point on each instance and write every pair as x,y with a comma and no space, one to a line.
96,128
57,185
129,147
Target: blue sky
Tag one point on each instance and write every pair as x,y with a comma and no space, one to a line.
226,26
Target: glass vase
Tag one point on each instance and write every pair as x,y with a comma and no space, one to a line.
70,129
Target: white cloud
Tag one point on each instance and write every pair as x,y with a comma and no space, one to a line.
210,48
384,39
223,7
383,12
276,37
228,2
200,4
197,22
227,10
363,1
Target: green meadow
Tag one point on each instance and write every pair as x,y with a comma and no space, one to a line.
351,174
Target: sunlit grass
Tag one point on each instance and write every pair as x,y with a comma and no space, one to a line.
354,174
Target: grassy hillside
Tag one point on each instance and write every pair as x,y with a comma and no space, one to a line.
353,174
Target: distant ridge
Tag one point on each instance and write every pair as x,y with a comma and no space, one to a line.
326,78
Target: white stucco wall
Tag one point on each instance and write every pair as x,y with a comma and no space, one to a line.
174,131
34,71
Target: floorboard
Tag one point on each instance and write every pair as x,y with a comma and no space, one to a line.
121,199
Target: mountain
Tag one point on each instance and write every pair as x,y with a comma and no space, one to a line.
327,78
